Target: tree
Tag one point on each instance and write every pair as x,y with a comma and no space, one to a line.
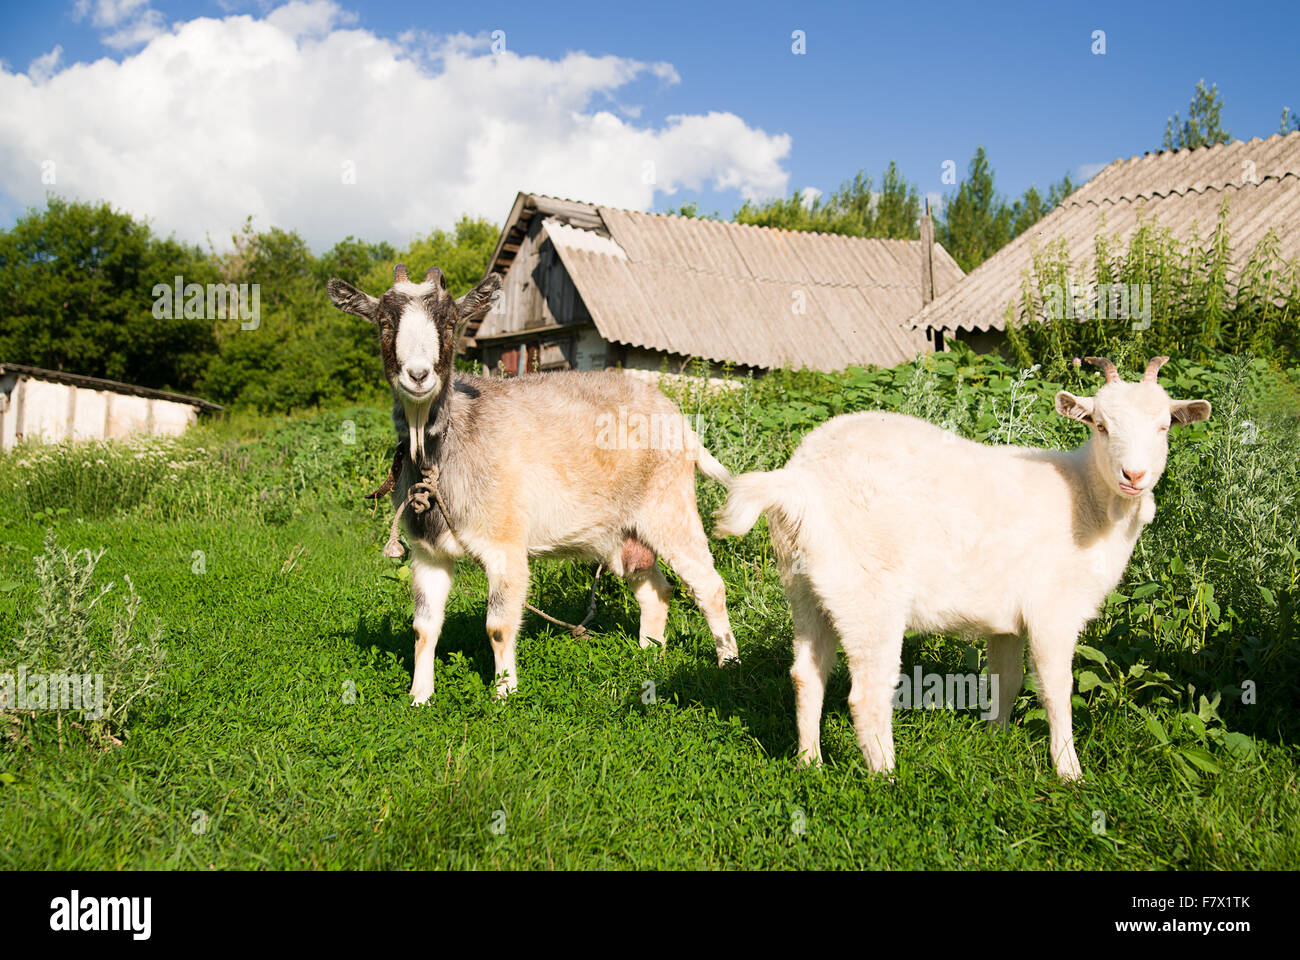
854,209
1059,191
1202,126
691,210
1032,207
462,254
898,207
76,294
1289,123
302,352
976,222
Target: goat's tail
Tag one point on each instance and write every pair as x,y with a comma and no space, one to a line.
710,467
776,494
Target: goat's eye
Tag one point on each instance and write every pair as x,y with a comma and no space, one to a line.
1101,428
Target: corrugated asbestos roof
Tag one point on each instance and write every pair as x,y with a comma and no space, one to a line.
98,383
726,291
1180,190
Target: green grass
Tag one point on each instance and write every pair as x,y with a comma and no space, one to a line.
283,736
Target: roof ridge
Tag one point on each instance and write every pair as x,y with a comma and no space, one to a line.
753,226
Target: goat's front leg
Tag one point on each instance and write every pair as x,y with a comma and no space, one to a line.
507,573
1052,648
431,579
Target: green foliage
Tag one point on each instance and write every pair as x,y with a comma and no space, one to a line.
1202,126
854,210
462,254
692,210
1199,306
977,221
1289,122
76,284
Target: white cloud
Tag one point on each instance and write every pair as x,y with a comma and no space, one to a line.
214,119
130,23
43,67
309,18
141,30
108,13
808,196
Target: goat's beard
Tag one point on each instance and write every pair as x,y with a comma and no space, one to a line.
417,418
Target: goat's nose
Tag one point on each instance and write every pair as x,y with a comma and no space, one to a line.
1134,476
418,373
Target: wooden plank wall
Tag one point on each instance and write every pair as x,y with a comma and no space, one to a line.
537,290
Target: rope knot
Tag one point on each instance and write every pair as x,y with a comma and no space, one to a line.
419,498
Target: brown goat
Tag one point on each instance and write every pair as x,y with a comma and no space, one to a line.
556,464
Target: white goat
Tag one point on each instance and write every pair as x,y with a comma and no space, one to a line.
592,466
884,523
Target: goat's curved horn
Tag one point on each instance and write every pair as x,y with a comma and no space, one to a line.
434,274
1112,375
1153,369
399,273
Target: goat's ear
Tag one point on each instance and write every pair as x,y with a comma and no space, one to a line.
351,300
1189,411
478,301
1076,408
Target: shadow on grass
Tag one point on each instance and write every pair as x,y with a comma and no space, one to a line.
464,630
757,691
760,693
461,633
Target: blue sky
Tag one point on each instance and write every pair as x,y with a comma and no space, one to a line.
920,84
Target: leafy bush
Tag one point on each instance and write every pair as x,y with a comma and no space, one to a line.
1200,308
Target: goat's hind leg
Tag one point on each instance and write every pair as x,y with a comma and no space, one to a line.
1006,673
507,573
873,645
814,658
652,592
694,564
673,529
